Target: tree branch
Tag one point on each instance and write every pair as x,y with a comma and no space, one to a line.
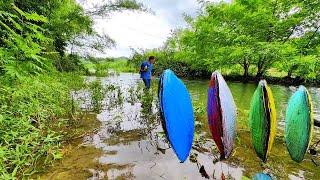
290,34
313,35
119,5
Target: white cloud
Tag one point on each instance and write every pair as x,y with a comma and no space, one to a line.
143,30
133,29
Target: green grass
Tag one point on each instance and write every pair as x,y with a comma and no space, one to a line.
103,67
120,66
273,72
33,111
89,66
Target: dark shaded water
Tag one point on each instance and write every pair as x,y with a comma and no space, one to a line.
130,143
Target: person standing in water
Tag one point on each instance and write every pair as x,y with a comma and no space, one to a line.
146,70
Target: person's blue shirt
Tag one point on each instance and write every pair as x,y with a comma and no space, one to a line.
146,74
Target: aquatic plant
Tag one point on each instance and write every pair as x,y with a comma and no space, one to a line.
146,102
113,96
134,95
97,95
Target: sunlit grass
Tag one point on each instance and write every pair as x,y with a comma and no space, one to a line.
103,67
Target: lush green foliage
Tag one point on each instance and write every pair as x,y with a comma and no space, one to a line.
22,43
165,60
30,108
249,37
34,31
98,93
101,67
35,100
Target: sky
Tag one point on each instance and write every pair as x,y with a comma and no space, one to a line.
139,30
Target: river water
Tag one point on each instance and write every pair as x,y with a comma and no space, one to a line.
130,143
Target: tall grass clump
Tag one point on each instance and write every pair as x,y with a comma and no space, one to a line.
30,108
98,93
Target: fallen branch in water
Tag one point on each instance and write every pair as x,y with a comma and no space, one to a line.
203,172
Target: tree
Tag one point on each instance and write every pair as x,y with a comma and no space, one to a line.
22,43
252,33
66,22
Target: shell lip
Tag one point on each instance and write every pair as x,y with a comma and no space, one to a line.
263,83
302,88
215,74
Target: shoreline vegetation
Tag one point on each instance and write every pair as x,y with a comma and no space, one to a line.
39,117
246,40
102,67
39,71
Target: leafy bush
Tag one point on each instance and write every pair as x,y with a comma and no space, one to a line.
166,60
69,63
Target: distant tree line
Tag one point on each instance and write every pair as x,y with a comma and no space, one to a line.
251,38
